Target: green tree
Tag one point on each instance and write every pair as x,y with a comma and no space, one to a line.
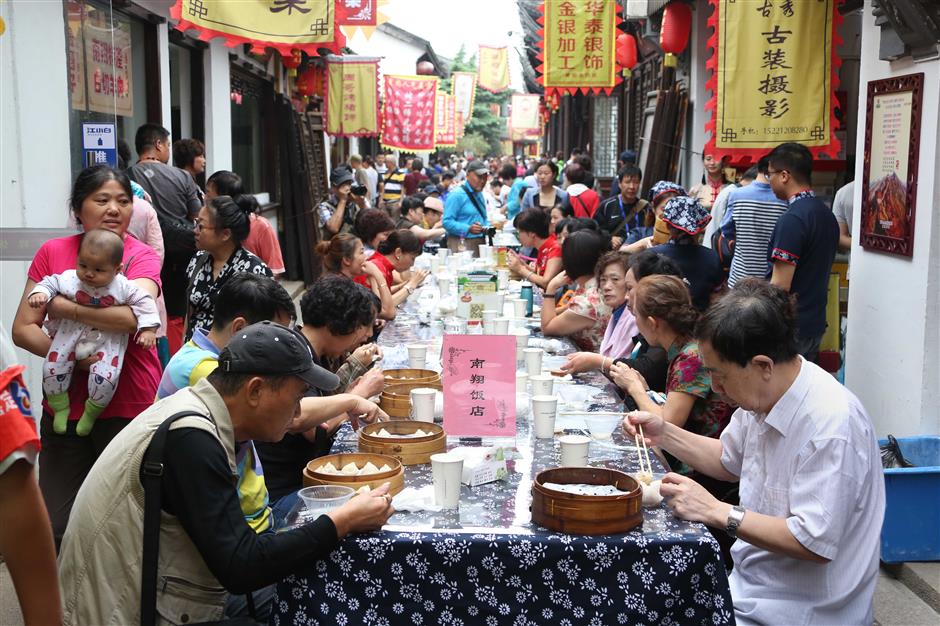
484,130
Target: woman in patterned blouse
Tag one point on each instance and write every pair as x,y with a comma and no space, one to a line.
221,227
666,318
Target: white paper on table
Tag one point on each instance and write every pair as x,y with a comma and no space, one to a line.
412,499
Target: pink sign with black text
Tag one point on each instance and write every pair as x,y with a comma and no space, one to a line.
479,377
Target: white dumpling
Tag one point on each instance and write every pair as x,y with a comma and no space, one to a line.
350,469
420,433
384,433
651,495
385,468
645,478
368,468
364,489
329,468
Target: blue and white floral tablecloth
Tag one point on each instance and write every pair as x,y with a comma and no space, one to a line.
488,564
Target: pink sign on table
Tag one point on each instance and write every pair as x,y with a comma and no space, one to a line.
479,385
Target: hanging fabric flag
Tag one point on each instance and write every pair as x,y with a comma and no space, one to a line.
460,124
365,15
409,113
524,118
446,124
774,75
352,100
578,42
494,68
281,24
464,89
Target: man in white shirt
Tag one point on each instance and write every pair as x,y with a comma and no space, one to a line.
804,450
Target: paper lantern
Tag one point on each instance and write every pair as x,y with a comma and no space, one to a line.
292,61
425,68
626,53
674,34
304,85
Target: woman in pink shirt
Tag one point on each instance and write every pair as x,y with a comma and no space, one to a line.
101,198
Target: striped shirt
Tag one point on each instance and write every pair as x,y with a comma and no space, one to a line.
754,211
393,185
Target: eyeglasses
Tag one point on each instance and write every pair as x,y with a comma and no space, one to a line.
202,226
772,172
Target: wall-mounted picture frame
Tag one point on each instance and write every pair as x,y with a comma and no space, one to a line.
889,176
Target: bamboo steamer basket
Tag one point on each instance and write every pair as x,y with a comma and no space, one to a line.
586,515
410,450
396,399
411,376
396,476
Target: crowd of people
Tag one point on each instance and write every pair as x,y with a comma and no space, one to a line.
709,332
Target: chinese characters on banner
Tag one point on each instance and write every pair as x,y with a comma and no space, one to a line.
579,46
281,24
446,121
774,76
352,101
493,68
524,119
108,68
409,113
356,12
464,89
76,57
479,385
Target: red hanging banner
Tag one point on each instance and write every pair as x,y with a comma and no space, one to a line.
357,12
446,124
409,113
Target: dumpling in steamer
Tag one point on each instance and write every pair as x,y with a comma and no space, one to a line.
328,468
368,468
350,469
385,468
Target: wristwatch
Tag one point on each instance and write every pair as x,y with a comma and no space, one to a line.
735,517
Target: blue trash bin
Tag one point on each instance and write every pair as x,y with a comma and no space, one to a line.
911,529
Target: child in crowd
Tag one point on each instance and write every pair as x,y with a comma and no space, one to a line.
97,281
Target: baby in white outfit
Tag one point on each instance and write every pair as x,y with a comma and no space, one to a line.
96,282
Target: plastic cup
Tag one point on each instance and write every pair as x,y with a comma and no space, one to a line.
422,404
543,416
521,380
601,426
519,307
323,498
500,326
444,287
446,470
574,450
502,279
533,361
417,356
543,384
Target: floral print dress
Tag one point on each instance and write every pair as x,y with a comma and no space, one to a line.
587,302
204,289
710,413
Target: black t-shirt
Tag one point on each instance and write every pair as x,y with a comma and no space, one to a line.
700,267
611,212
651,362
199,488
807,236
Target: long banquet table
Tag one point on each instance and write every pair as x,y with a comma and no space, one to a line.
488,564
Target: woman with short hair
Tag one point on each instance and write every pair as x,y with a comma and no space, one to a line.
532,227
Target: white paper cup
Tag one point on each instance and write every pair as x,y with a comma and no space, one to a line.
435,264
422,404
502,279
487,320
455,326
444,287
443,253
522,337
533,361
519,307
543,416
522,380
500,326
501,303
417,356
543,384
574,450
446,469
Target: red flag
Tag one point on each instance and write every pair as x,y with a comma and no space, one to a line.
409,113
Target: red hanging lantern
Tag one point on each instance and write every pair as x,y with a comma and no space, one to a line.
674,34
292,61
304,85
626,53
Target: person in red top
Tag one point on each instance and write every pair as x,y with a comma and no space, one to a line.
414,178
533,227
396,254
101,198
582,199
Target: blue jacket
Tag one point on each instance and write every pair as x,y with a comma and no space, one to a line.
460,213
531,197
514,200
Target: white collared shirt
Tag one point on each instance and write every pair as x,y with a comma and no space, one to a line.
813,460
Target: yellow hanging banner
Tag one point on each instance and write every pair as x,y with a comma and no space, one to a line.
579,45
774,75
494,69
352,102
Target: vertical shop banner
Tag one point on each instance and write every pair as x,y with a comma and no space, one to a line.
774,76
524,117
579,46
352,98
409,112
464,89
460,124
493,68
357,12
446,124
108,68
280,24
76,55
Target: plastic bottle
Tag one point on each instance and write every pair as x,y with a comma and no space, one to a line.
527,295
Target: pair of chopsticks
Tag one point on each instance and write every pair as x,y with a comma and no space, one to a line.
591,412
641,445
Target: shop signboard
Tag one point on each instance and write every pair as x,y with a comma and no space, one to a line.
99,145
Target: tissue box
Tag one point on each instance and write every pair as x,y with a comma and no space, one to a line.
481,465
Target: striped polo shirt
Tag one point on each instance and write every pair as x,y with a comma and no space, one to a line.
393,185
753,212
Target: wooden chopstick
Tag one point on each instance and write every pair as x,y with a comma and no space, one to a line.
591,412
646,453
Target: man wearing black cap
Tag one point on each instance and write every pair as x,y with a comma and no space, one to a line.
335,213
465,217
206,548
